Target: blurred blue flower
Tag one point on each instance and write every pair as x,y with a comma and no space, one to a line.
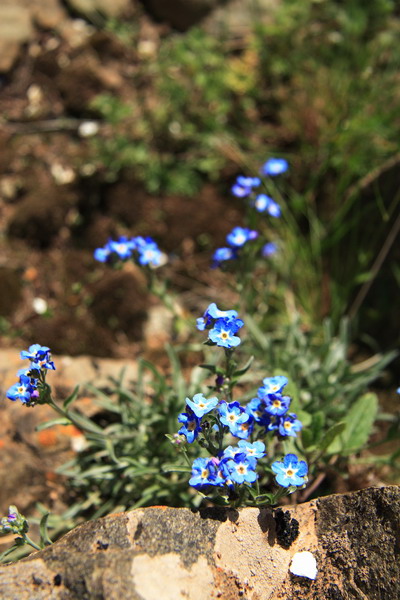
148,251
290,471
102,254
122,247
221,255
274,166
269,249
243,186
240,235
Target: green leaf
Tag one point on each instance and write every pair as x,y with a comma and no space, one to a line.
330,436
317,425
44,536
307,438
265,499
359,422
244,369
71,398
52,423
171,468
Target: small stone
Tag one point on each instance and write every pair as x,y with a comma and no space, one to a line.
304,565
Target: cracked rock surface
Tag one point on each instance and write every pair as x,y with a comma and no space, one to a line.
164,553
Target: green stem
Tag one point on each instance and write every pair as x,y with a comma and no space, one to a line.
30,542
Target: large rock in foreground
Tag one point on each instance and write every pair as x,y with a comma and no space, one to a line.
170,554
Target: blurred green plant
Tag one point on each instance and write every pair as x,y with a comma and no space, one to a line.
319,81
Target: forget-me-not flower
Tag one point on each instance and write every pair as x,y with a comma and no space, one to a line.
274,166
290,471
201,405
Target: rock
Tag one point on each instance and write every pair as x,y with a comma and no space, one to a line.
238,17
108,8
15,30
162,553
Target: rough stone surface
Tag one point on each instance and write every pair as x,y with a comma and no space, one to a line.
164,553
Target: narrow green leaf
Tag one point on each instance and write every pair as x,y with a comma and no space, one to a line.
171,468
244,369
44,535
330,436
52,423
71,398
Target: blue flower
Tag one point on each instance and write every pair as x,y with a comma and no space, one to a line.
223,333
269,249
273,209
256,409
102,254
221,255
273,385
261,202
23,390
274,166
255,449
240,235
276,404
233,416
35,351
149,252
213,313
39,356
244,186
241,469
230,452
289,425
290,471
122,247
204,472
191,426
201,405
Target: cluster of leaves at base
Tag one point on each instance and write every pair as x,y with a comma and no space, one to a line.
331,394
128,459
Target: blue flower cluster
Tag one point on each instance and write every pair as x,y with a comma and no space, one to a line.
270,408
236,239
143,249
27,390
236,464
246,187
223,325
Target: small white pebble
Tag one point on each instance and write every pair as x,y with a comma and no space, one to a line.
88,128
304,565
39,305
